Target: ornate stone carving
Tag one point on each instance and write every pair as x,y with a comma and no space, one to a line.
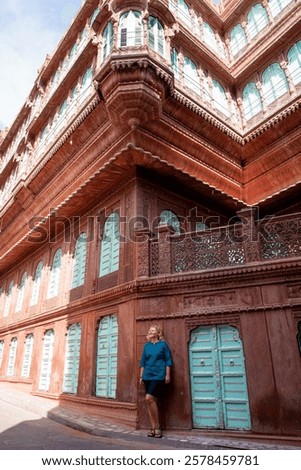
214,300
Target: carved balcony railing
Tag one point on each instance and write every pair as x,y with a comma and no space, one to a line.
235,245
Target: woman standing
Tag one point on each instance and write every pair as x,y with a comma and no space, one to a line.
155,373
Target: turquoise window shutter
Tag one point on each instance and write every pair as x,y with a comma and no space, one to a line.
53,287
45,373
79,261
110,245
106,362
36,284
27,356
72,356
294,63
8,299
12,357
1,351
21,292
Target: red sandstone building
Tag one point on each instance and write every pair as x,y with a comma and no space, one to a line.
153,175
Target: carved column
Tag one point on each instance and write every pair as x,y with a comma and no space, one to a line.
291,86
266,5
250,235
142,240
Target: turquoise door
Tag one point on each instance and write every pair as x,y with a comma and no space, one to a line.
106,363
218,379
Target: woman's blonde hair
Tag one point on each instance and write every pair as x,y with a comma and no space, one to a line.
159,330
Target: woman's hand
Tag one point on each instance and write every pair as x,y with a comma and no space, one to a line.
167,379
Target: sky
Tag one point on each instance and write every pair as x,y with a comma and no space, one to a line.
29,30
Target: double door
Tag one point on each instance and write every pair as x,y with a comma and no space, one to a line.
218,379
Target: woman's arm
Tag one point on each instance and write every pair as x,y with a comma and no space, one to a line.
141,373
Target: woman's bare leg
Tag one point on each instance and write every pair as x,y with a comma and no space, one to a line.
153,411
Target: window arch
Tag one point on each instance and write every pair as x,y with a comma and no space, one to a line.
94,15
191,76
106,360
87,78
110,245
12,357
71,370
220,99
276,6
168,217
53,286
184,12
27,356
156,35
209,36
238,39
257,20
21,291
274,83
174,58
252,103
36,284
8,299
294,62
79,261
107,40
130,29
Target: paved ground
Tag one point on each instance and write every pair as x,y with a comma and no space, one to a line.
42,407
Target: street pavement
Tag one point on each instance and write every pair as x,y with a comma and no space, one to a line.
31,422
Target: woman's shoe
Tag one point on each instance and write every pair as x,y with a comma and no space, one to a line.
151,433
158,433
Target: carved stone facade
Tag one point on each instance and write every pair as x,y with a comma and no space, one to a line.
148,205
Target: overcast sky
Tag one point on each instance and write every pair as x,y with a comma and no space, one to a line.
29,30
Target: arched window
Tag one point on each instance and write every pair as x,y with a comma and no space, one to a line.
12,357
79,261
276,6
191,77
55,273
87,78
94,15
274,83
238,39
21,291
209,36
174,58
156,35
1,350
130,29
257,19
183,12
107,40
36,284
27,356
220,99
8,299
72,358
168,217
294,62
73,52
110,245
106,361
251,100
46,364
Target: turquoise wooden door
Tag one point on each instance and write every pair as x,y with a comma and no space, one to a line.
72,358
218,379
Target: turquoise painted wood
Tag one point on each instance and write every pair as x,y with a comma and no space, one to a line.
218,379
110,246
12,357
27,356
45,373
106,363
72,354
79,261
